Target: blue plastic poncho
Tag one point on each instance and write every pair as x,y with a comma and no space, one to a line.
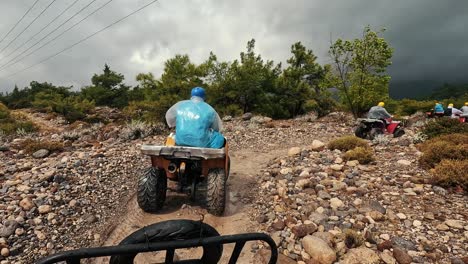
439,108
197,124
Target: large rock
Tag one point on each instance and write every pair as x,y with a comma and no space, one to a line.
404,162
8,228
375,205
336,203
317,145
387,258
247,116
260,119
336,167
27,204
44,209
403,243
401,256
304,229
42,153
360,255
318,250
294,151
454,224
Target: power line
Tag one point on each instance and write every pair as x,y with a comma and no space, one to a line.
55,29
47,7
21,19
82,40
42,29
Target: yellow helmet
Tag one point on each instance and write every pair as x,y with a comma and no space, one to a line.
466,103
381,104
450,105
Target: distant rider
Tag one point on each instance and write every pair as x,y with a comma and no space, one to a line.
464,109
439,109
452,111
378,112
197,123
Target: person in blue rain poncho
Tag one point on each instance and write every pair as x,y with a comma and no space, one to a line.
196,123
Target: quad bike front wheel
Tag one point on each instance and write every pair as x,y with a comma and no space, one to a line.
169,231
152,188
216,191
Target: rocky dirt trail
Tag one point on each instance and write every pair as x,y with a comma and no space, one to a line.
246,165
284,181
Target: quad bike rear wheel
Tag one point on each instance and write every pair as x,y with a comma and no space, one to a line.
361,132
398,132
152,188
216,191
169,231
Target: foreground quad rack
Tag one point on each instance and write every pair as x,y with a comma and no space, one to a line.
75,256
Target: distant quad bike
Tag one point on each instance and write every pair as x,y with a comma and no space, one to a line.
369,128
192,168
168,236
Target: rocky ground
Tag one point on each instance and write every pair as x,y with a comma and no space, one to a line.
318,208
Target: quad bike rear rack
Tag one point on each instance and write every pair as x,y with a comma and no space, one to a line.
183,152
75,256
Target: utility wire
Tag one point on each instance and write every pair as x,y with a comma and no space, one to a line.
42,29
55,29
47,7
21,19
82,40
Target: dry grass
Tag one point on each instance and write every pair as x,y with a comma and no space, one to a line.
451,173
364,155
346,143
31,145
435,152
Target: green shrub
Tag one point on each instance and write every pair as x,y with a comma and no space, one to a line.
440,150
364,155
346,143
147,111
31,145
4,112
451,173
408,106
445,125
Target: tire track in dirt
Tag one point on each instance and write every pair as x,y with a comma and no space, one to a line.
244,168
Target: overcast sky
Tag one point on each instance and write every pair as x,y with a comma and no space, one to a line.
429,36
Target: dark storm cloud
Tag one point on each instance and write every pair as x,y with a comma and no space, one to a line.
428,35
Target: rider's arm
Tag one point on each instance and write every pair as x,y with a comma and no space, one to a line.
384,112
171,115
217,123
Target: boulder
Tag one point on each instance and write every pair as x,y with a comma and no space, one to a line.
361,255
401,256
317,145
318,250
294,151
247,116
27,204
42,153
8,228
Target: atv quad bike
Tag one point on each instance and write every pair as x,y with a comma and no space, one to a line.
369,128
192,168
168,236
